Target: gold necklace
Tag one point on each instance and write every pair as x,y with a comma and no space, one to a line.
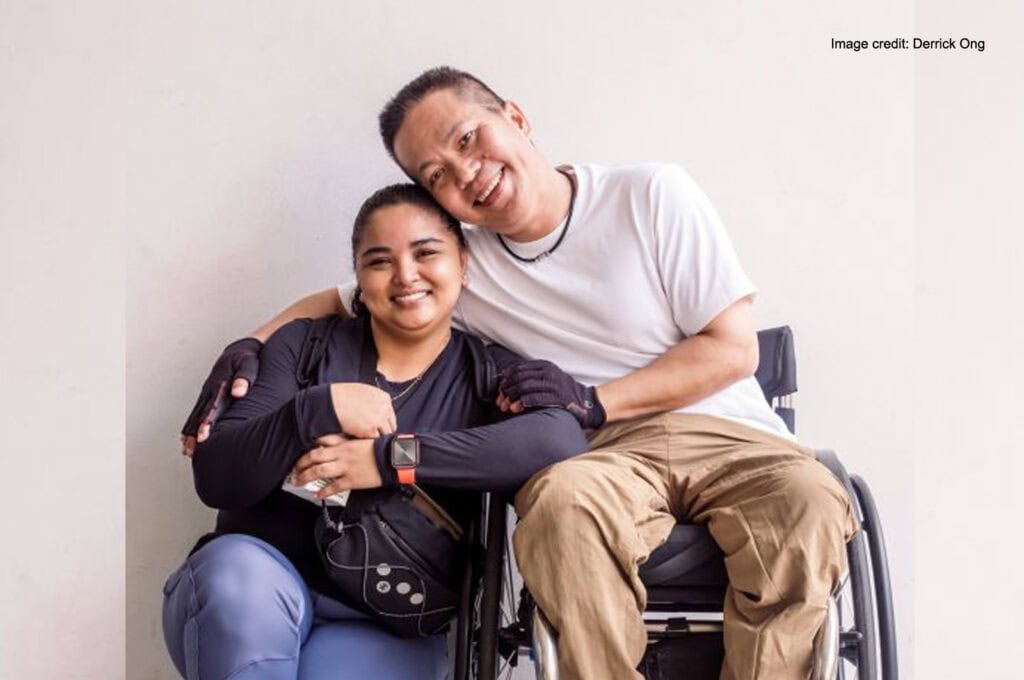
412,384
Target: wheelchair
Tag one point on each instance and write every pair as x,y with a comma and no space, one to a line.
686,583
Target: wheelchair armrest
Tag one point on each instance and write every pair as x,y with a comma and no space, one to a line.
829,459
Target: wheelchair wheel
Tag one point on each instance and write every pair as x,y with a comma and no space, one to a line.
464,625
872,528
870,643
862,641
496,629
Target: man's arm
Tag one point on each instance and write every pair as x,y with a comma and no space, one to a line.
722,353
711,300
321,303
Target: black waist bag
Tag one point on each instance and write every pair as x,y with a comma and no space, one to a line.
393,554
392,560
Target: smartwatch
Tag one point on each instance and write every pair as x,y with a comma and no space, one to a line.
405,456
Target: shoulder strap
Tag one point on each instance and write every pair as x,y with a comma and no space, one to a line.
313,348
485,373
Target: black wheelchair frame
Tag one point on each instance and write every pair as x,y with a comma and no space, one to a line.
483,641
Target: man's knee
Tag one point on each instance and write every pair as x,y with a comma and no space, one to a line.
551,491
561,509
815,516
603,505
815,498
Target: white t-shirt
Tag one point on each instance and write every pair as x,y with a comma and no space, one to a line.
644,264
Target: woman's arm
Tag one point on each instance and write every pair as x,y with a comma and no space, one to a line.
497,457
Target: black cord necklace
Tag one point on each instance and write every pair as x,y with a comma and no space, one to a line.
561,236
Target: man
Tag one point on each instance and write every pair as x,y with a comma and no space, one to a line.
625,279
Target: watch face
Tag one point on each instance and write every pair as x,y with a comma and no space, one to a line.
405,453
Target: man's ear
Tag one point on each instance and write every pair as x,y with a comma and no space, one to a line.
515,114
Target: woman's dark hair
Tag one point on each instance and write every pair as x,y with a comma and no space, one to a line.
466,85
397,194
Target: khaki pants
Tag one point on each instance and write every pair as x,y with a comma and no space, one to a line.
587,523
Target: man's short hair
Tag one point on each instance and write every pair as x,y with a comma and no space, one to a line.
466,85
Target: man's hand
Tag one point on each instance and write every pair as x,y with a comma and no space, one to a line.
350,463
238,363
539,384
363,411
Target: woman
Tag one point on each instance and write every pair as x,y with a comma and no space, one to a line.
253,600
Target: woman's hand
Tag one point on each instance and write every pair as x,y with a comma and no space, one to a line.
364,411
350,463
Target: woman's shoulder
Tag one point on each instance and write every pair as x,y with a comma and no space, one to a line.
288,338
296,333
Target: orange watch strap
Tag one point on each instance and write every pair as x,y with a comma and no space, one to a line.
406,475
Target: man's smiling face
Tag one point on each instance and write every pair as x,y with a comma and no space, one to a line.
478,162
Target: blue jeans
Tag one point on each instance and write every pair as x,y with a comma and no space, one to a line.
238,609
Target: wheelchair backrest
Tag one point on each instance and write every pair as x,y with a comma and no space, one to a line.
776,370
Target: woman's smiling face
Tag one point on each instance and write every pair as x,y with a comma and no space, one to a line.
410,270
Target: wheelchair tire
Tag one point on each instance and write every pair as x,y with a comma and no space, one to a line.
866,658
491,589
872,527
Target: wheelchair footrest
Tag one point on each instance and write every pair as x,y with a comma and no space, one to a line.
679,627
510,639
700,655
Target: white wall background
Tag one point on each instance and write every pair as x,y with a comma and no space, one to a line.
237,139
254,142
62,216
970,330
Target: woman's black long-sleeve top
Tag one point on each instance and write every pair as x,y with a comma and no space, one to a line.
465,445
